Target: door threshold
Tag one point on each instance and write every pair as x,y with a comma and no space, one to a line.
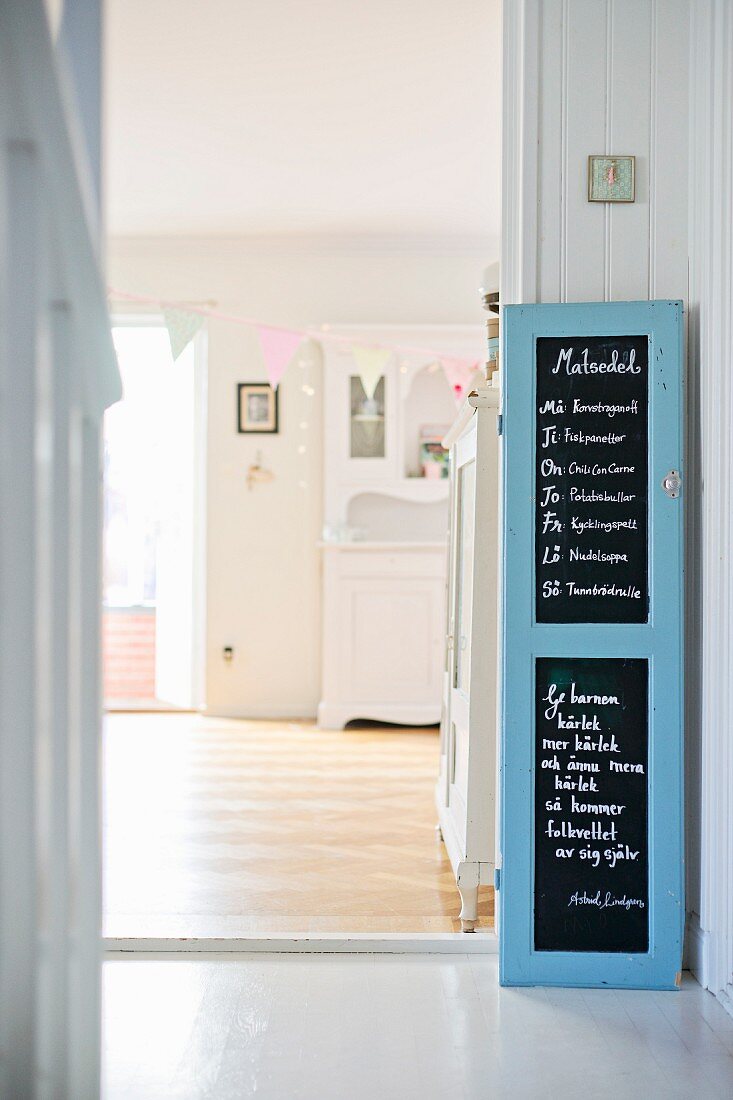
397,943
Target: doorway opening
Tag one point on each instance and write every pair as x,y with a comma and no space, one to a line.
337,260
246,827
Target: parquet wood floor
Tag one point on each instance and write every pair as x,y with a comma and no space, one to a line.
218,827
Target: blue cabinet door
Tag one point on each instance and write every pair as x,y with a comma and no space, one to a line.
591,881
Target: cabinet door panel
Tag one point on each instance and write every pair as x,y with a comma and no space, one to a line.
392,634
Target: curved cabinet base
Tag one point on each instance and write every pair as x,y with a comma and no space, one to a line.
334,716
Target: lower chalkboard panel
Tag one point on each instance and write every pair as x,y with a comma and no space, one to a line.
591,890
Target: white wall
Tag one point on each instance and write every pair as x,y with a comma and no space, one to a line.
584,77
263,567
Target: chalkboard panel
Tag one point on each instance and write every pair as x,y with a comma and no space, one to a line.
591,480
591,805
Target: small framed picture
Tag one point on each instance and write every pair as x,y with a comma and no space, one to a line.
257,409
611,179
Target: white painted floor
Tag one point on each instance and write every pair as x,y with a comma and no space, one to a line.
396,1027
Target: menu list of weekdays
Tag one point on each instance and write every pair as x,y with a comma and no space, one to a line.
591,805
591,480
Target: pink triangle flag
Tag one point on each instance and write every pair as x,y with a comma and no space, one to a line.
459,374
279,345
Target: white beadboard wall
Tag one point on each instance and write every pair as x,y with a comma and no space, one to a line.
584,77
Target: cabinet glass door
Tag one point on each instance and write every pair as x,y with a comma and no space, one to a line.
464,575
464,475
367,438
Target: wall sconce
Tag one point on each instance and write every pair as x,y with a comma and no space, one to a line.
257,474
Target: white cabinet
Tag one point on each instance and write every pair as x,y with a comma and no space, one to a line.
384,550
467,784
383,633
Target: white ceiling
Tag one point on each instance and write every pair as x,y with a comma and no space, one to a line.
337,117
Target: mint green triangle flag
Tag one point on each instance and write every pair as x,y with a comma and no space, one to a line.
182,327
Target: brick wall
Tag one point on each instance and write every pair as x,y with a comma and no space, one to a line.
128,639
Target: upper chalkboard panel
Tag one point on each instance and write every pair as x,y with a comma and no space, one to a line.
591,558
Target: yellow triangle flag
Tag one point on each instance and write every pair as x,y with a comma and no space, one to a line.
370,364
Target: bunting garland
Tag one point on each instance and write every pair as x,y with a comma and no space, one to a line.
460,374
279,345
182,326
370,364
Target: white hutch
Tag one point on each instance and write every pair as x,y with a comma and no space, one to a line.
467,783
385,526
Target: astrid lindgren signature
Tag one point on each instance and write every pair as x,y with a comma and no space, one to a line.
607,901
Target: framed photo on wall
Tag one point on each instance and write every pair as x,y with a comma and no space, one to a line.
257,408
611,179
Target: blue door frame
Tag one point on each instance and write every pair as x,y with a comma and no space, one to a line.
659,641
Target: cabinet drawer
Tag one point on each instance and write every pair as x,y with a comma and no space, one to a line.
385,563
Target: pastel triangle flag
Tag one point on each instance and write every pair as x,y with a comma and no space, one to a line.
459,374
182,327
279,345
370,364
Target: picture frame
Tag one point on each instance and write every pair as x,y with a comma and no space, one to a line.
257,409
433,455
611,179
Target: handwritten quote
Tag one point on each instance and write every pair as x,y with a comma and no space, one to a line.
591,890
